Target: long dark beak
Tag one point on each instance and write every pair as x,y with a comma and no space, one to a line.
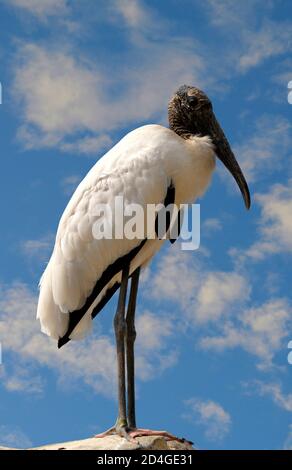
225,154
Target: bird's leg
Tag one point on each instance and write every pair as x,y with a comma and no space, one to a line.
133,431
125,337
130,340
120,329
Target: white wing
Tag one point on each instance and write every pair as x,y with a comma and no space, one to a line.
140,168
131,169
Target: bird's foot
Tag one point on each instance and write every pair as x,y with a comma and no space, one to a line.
120,429
132,433
109,432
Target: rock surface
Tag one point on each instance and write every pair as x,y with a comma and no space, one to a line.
116,443
119,443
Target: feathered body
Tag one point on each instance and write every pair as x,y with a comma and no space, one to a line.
140,168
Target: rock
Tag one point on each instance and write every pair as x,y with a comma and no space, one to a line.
120,443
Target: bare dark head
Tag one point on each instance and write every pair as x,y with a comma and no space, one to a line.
190,113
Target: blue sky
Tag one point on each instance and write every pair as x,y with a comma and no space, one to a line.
212,359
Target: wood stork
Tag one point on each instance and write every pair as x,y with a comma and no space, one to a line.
150,165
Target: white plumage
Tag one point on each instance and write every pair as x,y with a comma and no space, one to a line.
140,168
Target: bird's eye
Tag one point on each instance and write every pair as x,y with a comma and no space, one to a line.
208,105
192,100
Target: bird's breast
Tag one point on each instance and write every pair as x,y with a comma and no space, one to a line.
194,168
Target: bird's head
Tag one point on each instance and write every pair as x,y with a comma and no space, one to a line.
190,112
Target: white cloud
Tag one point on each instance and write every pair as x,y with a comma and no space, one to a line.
153,354
92,360
218,292
216,305
38,248
211,225
214,419
288,440
88,145
259,331
203,295
69,184
272,39
20,378
272,390
13,436
76,361
230,14
275,225
153,329
133,12
267,146
255,37
42,8
60,95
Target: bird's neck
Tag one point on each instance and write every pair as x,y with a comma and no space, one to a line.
178,123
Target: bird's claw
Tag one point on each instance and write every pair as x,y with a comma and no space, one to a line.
122,431
132,433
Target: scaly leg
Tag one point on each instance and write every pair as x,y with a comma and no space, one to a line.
120,330
125,338
133,431
130,340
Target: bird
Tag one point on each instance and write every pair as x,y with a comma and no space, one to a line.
152,164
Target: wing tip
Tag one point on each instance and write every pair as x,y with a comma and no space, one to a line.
63,341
